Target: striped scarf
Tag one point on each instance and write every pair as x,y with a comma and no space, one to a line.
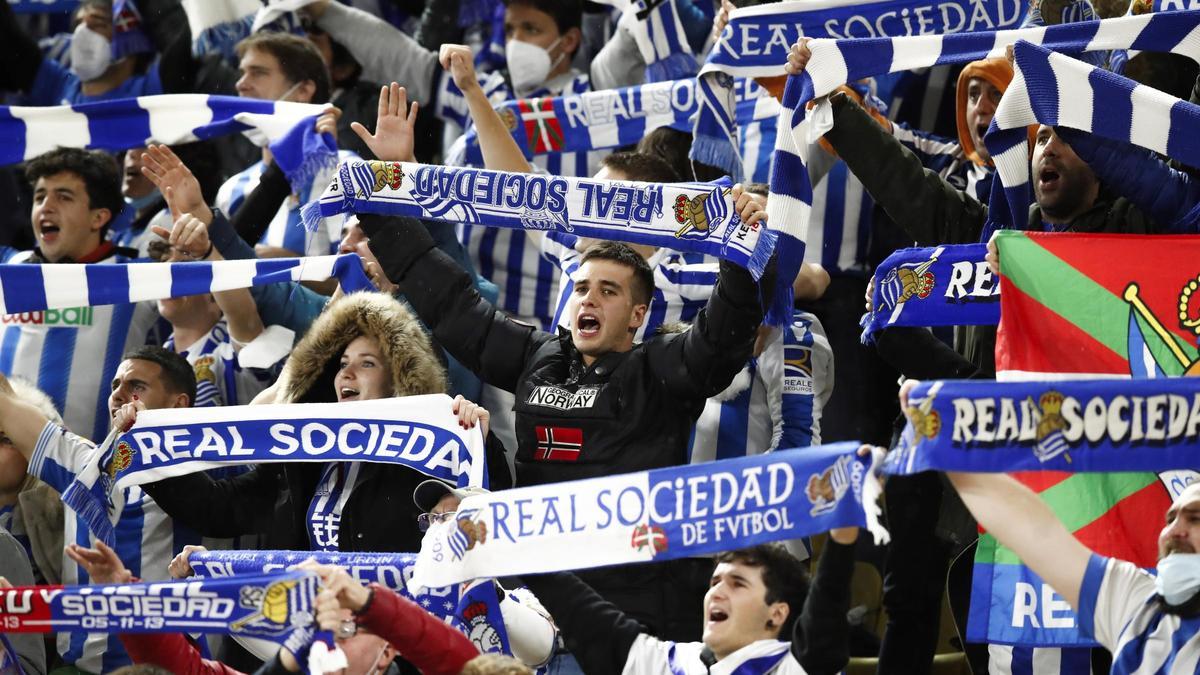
656,28
1054,89
756,41
170,119
613,118
37,288
837,62
218,25
689,217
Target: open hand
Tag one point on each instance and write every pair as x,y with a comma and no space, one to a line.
176,183
102,564
393,137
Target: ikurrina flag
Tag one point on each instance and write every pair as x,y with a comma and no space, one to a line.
1086,306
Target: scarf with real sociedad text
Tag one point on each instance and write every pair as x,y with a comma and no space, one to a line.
279,607
693,217
653,515
419,432
756,41
1104,425
475,611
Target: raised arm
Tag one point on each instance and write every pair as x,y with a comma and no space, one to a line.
927,208
596,632
20,421
704,360
1020,520
821,637
1164,194
385,52
500,150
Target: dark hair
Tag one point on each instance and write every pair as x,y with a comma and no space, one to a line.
641,166
673,146
298,59
98,170
567,14
784,576
177,373
643,277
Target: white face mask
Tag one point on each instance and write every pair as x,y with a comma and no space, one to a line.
91,53
529,65
1178,577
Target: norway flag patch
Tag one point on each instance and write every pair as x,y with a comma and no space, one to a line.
562,444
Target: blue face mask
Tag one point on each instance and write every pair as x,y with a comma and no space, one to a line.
142,202
1178,577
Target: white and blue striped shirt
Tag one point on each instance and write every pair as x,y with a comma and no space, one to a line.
220,379
1120,608
840,220
146,539
775,402
285,230
72,355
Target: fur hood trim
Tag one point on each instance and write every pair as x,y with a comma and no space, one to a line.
416,369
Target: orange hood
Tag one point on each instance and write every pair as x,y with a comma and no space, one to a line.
997,72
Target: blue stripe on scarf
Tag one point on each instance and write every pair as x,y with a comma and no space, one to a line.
1040,426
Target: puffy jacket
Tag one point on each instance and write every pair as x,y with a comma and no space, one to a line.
273,500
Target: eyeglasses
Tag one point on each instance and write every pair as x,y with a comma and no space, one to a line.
425,520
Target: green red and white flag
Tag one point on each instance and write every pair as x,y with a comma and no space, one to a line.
1078,306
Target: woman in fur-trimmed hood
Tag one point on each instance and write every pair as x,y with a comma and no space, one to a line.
363,346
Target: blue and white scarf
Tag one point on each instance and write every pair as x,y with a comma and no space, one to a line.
934,286
475,611
653,515
279,607
1070,93
836,62
418,432
693,217
170,119
218,25
756,42
36,288
613,118
1063,425
658,32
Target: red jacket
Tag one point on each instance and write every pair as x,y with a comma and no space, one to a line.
421,638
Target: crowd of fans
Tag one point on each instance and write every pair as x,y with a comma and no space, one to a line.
670,345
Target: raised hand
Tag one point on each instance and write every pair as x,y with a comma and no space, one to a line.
798,57
102,564
176,183
393,137
180,566
470,414
751,206
188,237
460,61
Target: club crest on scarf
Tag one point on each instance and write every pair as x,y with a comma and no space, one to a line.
904,282
827,488
480,630
122,459
693,214
278,607
650,538
467,533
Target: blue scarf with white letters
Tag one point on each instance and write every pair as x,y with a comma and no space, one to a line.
933,286
655,515
476,612
414,431
756,42
1062,425
279,607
